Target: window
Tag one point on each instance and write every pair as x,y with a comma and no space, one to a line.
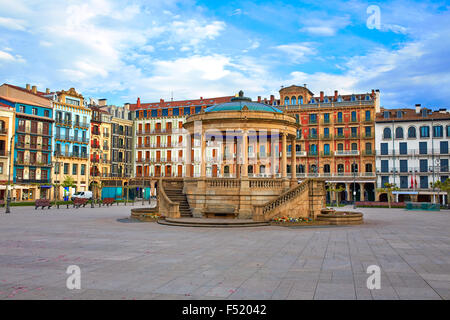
46,113
403,148
386,133
1,167
444,165
326,168
411,132
293,101
353,98
354,167
353,116
399,114
438,131
300,100
354,146
34,111
83,169
326,149
368,131
399,133
424,182
326,118
404,182
444,147
448,131
313,149
340,168
368,167
340,132
66,168
384,181
313,118
368,148
339,117
340,147
384,165
403,165
326,132
74,169
386,114
422,148
297,118
384,148
423,165
354,132
425,132
368,115
286,101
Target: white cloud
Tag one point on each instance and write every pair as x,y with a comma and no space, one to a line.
7,57
13,24
324,27
297,52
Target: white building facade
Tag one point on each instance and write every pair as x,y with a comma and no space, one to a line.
412,152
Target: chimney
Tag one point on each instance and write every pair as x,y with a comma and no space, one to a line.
418,108
161,100
47,91
201,98
259,99
28,87
138,103
272,98
102,102
34,89
335,95
377,101
321,96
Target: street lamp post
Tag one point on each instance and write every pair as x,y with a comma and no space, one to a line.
354,183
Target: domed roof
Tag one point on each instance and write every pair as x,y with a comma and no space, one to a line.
242,103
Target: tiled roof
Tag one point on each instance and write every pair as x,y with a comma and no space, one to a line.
181,103
15,100
411,115
38,93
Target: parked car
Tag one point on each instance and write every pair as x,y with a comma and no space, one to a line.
82,195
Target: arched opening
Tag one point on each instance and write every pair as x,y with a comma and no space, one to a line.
353,187
369,192
386,133
383,197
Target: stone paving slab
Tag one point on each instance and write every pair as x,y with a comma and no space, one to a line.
121,260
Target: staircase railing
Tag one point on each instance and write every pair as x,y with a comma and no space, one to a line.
263,212
167,207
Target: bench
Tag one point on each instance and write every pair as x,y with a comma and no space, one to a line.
220,211
108,201
42,203
78,202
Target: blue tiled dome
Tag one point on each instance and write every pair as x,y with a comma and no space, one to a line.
241,102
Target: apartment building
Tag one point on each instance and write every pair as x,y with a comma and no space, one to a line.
335,138
412,152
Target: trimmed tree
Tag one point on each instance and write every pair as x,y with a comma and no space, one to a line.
443,186
389,188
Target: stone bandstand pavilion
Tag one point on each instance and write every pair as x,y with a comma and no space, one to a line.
243,161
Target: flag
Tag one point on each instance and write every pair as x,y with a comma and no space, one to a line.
412,182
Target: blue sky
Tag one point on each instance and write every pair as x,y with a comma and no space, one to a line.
121,50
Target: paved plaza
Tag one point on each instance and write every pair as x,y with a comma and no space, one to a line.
133,260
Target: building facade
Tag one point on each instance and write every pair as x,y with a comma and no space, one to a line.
7,131
121,141
161,140
71,141
412,152
33,130
100,158
335,139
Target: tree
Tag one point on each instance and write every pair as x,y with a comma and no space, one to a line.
389,188
333,189
443,186
69,182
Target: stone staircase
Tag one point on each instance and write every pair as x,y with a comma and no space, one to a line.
176,195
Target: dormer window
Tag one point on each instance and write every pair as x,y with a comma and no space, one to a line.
367,97
353,98
424,112
399,114
313,101
386,114
326,100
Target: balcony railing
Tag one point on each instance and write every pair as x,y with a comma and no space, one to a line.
63,122
23,145
346,153
21,180
21,162
71,154
81,124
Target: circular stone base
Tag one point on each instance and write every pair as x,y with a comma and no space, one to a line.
342,217
144,214
212,223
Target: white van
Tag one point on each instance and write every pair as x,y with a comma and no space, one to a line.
82,195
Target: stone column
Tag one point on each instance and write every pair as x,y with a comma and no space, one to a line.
283,156
203,155
187,156
349,194
293,163
245,154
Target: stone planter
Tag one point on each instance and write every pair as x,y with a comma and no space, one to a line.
342,218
